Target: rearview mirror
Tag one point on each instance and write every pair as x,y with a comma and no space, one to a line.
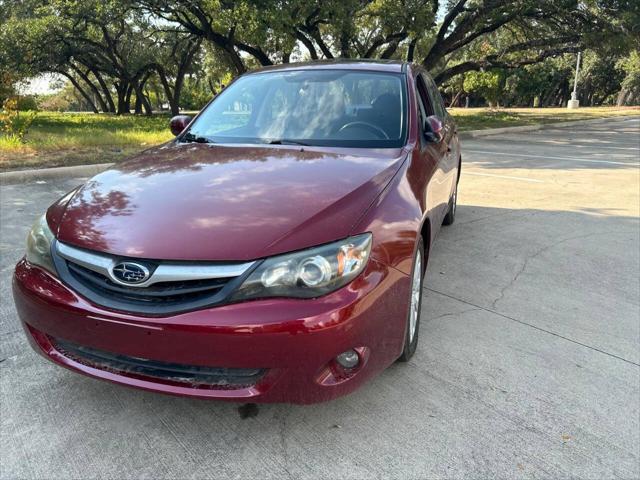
179,123
433,129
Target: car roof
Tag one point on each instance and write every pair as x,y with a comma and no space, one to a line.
394,66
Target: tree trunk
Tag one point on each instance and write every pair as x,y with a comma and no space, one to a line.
82,92
315,33
173,103
455,99
622,97
307,43
344,44
235,59
147,95
390,50
411,50
85,78
144,101
158,93
105,91
137,106
127,99
548,97
123,105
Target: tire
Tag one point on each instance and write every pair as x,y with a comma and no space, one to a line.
450,217
412,329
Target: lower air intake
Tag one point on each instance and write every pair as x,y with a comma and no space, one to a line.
192,375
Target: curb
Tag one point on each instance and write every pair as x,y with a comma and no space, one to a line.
540,126
25,176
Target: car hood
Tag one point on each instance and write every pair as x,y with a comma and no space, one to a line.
224,202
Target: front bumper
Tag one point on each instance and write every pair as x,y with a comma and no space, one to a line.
294,342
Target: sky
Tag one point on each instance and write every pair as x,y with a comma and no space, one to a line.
42,84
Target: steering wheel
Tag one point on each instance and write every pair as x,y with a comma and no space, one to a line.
368,126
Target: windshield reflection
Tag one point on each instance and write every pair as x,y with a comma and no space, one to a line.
338,108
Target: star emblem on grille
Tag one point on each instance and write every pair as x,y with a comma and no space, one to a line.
130,272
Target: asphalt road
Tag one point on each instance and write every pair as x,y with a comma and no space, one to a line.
529,362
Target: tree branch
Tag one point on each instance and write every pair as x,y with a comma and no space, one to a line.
493,62
393,38
307,43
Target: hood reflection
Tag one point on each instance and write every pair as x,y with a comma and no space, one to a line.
214,202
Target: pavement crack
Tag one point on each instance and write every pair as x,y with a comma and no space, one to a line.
453,313
190,455
540,251
515,214
4,334
522,268
282,432
479,307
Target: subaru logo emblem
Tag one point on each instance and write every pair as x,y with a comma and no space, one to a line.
130,273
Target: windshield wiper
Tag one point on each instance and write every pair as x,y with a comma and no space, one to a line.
190,137
284,141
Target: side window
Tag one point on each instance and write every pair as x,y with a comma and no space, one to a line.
424,107
436,98
422,114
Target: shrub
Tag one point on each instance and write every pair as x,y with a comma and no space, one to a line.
13,124
54,103
28,102
488,84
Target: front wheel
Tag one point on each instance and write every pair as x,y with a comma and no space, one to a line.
453,203
415,302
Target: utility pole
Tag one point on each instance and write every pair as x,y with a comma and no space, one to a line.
574,102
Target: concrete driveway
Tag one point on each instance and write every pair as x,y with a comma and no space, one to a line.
528,366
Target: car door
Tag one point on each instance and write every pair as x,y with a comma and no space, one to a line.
449,147
432,151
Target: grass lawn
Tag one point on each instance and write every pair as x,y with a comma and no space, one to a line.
481,118
59,139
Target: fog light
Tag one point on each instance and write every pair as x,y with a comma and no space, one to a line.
348,359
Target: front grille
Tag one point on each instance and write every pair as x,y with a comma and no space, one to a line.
191,375
163,293
171,287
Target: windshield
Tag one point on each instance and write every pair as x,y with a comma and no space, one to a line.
341,108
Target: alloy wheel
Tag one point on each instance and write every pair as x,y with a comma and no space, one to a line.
415,296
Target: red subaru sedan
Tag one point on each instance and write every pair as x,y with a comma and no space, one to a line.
274,251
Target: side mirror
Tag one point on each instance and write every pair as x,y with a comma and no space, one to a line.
433,129
179,123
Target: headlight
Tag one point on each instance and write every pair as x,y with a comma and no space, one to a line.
39,245
308,273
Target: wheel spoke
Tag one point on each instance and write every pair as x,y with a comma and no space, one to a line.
415,297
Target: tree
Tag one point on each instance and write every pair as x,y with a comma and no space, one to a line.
109,38
108,50
267,31
113,50
175,60
487,84
630,91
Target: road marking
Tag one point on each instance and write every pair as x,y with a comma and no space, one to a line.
533,180
570,159
634,149
567,145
